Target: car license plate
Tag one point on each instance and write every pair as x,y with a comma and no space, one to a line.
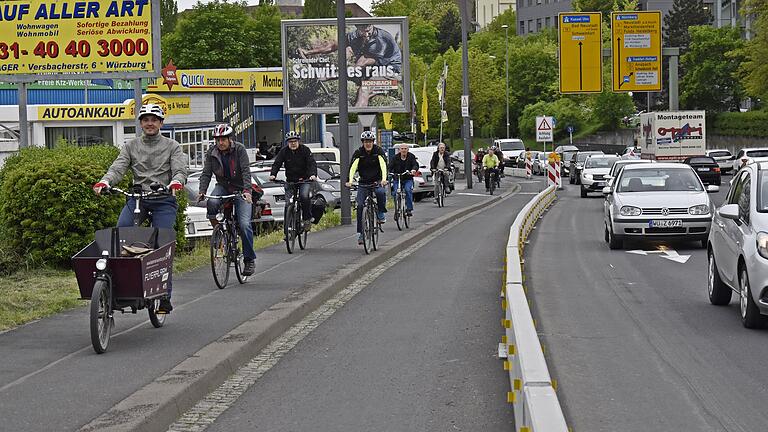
666,223
602,184
279,197
702,169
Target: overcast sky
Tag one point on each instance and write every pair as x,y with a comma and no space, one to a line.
187,4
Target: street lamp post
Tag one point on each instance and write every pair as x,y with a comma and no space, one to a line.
506,69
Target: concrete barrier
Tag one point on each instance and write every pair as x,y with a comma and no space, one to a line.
531,394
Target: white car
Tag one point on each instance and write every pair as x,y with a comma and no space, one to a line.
745,154
510,148
738,246
593,176
723,157
656,201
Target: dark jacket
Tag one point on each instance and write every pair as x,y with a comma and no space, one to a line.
299,164
372,166
446,159
397,165
236,178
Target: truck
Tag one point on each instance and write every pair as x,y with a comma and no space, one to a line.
672,135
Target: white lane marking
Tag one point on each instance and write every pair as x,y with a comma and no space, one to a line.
667,253
471,194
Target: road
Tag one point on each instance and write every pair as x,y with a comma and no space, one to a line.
414,350
632,339
50,379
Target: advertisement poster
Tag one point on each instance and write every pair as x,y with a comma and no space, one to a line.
377,65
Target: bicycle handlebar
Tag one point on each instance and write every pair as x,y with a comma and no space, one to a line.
162,192
223,196
292,183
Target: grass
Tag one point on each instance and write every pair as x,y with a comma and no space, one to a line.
33,294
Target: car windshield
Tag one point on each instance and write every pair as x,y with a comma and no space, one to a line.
757,153
701,160
600,162
620,164
567,156
722,153
659,180
262,177
581,157
511,145
329,170
324,156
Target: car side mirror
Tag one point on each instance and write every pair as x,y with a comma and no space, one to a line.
713,188
607,190
608,177
729,211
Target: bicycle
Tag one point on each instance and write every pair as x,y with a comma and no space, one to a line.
371,226
225,243
133,269
401,213
480,172
492,180
439,187
293,222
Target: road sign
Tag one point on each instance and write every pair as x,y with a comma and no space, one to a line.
580,52
465,105
543,129
636,49
570,129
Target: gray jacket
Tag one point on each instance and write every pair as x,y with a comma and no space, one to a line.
151,159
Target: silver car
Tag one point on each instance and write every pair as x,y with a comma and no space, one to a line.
738,246
660,200
593,175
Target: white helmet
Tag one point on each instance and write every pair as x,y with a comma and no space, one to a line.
222,130
155,110
367,135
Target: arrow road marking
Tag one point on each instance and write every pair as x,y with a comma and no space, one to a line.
669,254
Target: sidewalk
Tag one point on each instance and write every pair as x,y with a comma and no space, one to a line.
50,378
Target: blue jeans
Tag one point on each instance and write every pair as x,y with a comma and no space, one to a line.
408,185
163,216
381,200
243,213
306,205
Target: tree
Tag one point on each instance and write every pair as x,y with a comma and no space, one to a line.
423,39
450,30
711,64
319,8
266,30
684,14
533,74
754,71
168,14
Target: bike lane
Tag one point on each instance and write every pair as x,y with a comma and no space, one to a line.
50,379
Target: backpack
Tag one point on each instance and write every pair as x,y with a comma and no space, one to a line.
318,208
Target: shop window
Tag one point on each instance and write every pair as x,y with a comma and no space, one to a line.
81,136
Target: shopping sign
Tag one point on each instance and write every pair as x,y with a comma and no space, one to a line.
544,129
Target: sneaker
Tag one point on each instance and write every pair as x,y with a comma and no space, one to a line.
359,239
409,213
383,220
307,226
165,306
249,268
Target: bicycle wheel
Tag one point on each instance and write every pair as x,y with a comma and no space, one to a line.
367,231
157,320
101,316
439,193
289,228
406,218
374,226
493,183
239,260
302,234
219,258
399,213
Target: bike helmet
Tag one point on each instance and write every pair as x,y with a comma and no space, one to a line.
292,135
155,110
367,136
222,130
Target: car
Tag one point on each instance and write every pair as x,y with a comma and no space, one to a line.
510,148
329,174
457,157
737,254
425,187
326,153
274,193
565,159
619,164
657,201
723,157
593,176
745,154
706,167
631,153
577,163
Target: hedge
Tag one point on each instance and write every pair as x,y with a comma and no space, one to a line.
48,211
751,123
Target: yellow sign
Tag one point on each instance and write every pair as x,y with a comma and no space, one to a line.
581,52
124,111
553,157
636,42
71,36
216,80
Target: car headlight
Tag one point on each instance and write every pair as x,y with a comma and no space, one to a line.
326,187
630,211
588,176
578,166
762,244
701,209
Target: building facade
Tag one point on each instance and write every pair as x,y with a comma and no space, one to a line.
487,10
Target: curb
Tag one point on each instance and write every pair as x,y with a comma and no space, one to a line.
158,404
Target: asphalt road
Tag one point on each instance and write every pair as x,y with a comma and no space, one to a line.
51,380
632,339
415,350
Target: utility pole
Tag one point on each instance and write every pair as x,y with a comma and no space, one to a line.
506,69
465,91
346,208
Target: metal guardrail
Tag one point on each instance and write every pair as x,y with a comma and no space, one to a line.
532,392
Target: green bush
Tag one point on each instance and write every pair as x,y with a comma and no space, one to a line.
48,211
751,123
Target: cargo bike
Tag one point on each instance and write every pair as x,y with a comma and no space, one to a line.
126,269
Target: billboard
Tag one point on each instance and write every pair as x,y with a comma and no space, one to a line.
377,65
61,37
216,80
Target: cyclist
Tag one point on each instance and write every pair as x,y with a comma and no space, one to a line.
490,163
442,160
500,156
404,162
370,161
228,161
152,158
299,165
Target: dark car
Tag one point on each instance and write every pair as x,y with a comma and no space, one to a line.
577,164
707,169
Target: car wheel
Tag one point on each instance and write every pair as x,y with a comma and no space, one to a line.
750,314
704,243
613,242
583,192
719,293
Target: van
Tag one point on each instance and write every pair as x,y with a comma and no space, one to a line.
510,148
326,154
